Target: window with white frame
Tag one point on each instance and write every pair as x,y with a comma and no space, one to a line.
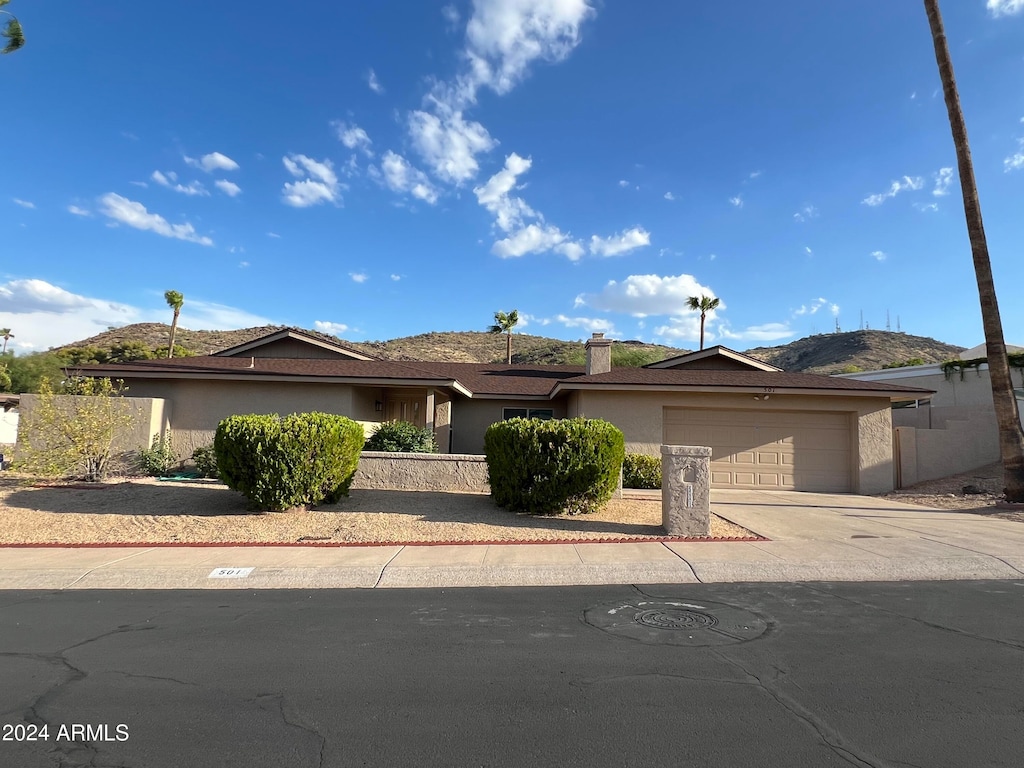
527,413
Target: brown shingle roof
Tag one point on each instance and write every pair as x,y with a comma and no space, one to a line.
483,379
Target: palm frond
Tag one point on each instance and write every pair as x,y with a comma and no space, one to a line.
14,35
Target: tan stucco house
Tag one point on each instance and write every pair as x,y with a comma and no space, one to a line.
767,428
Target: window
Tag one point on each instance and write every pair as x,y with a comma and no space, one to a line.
527,413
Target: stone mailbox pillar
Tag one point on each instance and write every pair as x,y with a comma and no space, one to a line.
686,490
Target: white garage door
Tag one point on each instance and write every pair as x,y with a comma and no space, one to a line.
782,450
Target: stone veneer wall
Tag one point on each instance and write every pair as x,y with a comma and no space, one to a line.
461,472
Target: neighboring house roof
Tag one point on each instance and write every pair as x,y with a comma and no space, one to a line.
982,351
707,357
319,340
491,379
646,378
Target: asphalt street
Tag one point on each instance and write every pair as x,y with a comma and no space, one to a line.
825,674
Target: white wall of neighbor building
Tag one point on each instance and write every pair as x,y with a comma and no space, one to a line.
8,427
955,431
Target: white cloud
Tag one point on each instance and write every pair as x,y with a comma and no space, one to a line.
901,185
755,174
451,16
942,181
765,332
683,329
214,161
812,308
320,185
169,180
505,36
274,235
643,295
449,143
78,211
623,183
926,207
806,213
1004,7
400,176
879,255
396,278
1015,162
359,277
526,320
589,324
23,203
808,251
535,238
335,329
373,82
619,244
669,196
353,137
229,188
737,201
243,264
134,214
44,315
493,195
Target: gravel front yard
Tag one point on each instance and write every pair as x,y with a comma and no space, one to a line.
204,511
947,493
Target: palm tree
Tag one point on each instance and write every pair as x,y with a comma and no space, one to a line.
7,336
13,32
1011,436
504,324
174,301
704,304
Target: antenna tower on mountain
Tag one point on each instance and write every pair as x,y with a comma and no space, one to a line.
898,324
862,319
887,326
838,329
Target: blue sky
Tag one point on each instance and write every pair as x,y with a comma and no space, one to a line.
391,168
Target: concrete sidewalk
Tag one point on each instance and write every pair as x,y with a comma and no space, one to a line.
812,537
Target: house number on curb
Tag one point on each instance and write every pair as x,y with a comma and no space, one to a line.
230,573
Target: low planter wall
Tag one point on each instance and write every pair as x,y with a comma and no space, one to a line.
381,470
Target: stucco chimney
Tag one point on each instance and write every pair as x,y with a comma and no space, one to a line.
599,354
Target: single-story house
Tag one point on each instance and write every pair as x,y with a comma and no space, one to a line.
767,428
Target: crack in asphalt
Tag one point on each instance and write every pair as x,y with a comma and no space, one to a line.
924,622
828,735
279,700
74,749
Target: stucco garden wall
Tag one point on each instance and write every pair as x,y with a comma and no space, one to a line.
464,473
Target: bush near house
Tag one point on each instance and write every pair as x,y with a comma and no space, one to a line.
159,458
292,462
205,459
641,471
403,437
547,467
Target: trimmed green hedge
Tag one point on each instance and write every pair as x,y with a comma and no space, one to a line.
547,467
283,463
641,471
401,437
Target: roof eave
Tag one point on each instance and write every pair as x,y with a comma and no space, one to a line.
900,396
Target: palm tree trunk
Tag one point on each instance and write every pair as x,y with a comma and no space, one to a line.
702,316
508,348
174,330
1011,436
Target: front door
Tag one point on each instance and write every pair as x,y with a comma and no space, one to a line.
406,409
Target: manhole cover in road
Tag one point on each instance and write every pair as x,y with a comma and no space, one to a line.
672,622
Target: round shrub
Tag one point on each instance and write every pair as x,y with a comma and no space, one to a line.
292,462
205,459
548,467
641,471
402,437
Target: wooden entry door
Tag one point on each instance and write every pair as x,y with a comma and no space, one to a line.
409,409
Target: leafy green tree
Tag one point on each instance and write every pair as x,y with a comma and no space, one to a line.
128,351
64,436
179,351
175,301
77,356
27,371
7,336
626,357
702,304
5,378
504,323
12,31
1011,436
